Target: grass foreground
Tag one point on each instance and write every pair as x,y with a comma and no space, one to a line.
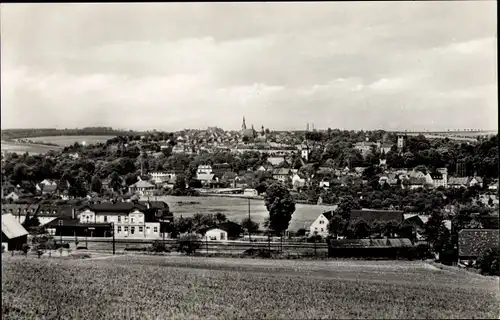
149,287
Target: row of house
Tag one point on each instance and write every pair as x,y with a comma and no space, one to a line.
471,242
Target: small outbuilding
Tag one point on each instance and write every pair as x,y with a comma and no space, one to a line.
13,233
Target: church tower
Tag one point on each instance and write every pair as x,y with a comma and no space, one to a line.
244,125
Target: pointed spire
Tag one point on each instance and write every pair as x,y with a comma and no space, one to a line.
244,125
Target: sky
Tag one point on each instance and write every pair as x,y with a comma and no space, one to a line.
420,65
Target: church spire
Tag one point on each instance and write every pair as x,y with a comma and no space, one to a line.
243,126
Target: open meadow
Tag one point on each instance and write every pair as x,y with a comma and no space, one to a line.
69,140
153,287
21,147
236,209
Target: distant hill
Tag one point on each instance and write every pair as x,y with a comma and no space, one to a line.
9,134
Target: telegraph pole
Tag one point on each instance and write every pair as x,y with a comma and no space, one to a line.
113,226
249,220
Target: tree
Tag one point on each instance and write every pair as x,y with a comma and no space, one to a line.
249,225
360,229
115,182
77,189
96,184
336,225
436,232
220,217
345,206
281,206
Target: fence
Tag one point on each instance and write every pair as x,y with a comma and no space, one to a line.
204,247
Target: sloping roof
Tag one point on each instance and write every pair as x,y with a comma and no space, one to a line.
281,171
458,181
371,216
473,242
205,176
142,184
11,227
60,210
229,175
416,181
19,208
275,160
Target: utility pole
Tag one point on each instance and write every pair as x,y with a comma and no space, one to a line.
249,221
113,226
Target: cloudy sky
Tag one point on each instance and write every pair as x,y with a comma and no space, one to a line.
349,65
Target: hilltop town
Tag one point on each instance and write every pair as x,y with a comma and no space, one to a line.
396,180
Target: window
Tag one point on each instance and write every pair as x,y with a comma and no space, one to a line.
222,236
105,218
131,220
119,219
87,218
132,230
147,228
119,229
141,229
155,229
322,230
126,219
321,221
315,228
125,229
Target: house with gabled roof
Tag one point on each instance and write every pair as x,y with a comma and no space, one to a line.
14,235
282,174
457,182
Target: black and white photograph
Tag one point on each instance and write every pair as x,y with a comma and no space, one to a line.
250,160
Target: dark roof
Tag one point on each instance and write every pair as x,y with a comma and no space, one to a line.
162,205
229,225
328,214
370,243
371,216
19,208
473,242
60,210
69,222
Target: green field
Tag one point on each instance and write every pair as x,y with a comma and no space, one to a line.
236,209
21,148
148,287
69,140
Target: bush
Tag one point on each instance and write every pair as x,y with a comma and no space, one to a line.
315,238
158,246
189,244
489,262
25,248
136,249
260,253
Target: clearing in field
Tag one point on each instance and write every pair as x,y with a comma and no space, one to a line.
69,140
236,209
149,287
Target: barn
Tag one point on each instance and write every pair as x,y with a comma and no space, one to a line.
13,233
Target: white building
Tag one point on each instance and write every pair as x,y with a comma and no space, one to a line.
215,235
250,192
320,225
142,187
204,169
160,177
128,219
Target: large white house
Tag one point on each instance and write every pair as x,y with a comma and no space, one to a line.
128,219
320,225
